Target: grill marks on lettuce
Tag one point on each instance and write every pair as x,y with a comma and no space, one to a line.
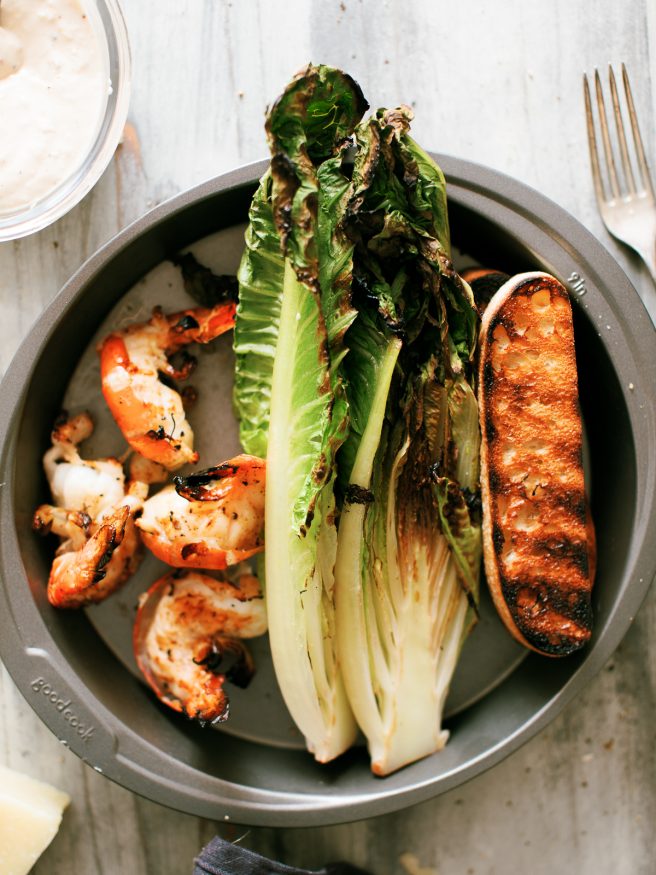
369,417
308,129
408,562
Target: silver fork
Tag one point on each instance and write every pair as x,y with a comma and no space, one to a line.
627,208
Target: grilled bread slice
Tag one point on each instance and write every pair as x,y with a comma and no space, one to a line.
538,538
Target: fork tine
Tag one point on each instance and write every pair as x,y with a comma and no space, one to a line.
626,164
605,138
642,161
592,143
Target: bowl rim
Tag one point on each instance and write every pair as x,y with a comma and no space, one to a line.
136,764
71,190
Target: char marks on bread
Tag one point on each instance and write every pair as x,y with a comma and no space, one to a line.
538,537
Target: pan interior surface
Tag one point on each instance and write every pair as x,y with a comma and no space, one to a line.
258,712
257,770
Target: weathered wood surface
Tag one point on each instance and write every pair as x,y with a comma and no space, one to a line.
498,83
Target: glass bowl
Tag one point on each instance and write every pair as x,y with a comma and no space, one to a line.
71,190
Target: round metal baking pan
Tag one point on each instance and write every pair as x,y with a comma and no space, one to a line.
94,704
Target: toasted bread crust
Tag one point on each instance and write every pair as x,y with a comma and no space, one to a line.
537,536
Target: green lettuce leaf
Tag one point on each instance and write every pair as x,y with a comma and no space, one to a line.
308,421
301,538
260,279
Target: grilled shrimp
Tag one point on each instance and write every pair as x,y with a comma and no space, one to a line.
186,626
134,363
90,487
108,556
208,520
93,513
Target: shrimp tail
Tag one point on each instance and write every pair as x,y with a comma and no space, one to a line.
202,284
143,473
72,525
73,430
216,483
210,703
199,325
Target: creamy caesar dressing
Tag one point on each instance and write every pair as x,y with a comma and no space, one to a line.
54,83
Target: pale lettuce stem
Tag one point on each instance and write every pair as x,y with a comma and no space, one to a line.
394,580
364,460
411,726
353,646
294,592
400,621
283,602
452,642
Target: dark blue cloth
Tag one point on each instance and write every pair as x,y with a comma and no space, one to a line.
222,858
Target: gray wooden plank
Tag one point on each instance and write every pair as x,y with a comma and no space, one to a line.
495,83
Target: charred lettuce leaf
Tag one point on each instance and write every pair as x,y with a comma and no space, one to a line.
355,343
307,129
408,559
